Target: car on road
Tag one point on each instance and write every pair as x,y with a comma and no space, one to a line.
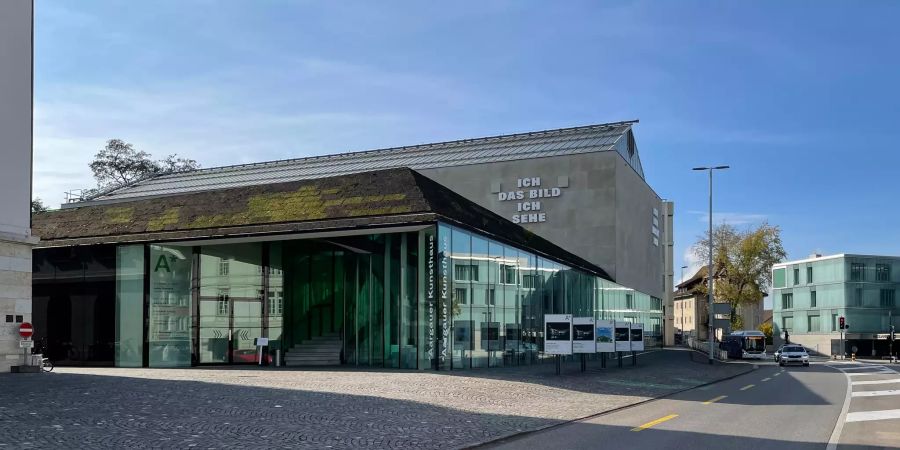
793,354
778,353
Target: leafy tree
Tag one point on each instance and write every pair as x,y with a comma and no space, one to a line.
766,328
38,206
119,163
743,264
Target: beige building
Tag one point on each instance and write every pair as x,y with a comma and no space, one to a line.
15,176
691,311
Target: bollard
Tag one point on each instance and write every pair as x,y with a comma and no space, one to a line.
278,358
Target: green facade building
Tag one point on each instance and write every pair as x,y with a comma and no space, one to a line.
811,295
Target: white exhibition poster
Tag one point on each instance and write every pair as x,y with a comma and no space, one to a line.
583,335
637,337
623,337
604,336
558,334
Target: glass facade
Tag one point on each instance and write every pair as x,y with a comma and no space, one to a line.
170,326
859,288
129,305
439,298
497,295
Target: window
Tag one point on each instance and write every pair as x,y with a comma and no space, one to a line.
276,302
466,272
834,322
778,278
796,276
491,296
460,296
787,323
857,272
886,298
223,267
507,274
812,299
222,303
530,281
813,324
809,277
857,299
787,301
629,301
882,272
655,304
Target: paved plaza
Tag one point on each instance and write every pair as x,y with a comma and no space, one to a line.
330,408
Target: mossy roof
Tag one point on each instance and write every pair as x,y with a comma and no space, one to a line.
380,198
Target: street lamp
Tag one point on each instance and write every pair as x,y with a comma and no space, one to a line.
709,272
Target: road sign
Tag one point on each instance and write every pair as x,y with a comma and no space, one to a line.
26,343
26,330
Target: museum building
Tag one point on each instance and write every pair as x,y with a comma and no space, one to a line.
354,259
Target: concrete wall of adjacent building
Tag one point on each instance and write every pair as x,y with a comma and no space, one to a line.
603,213
15,174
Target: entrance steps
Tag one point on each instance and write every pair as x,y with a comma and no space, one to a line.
322,350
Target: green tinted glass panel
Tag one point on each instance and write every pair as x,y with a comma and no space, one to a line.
778,278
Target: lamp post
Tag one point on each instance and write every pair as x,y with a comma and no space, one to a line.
709,272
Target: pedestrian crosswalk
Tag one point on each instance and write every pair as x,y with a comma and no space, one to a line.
872,402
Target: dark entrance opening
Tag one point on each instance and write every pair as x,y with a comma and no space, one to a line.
74,304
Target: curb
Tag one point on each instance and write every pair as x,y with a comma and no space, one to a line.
520,435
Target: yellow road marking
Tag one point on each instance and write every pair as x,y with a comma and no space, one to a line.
654,422
747,387
714,399
766,379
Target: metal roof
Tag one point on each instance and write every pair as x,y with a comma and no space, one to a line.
540,144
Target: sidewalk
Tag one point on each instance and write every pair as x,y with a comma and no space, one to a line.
339,408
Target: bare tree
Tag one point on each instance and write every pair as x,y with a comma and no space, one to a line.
38,206
119,163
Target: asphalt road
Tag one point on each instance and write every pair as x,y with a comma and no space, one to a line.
873,409
771,407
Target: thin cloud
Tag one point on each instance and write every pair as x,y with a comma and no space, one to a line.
731,218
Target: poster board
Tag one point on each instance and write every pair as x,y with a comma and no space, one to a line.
583,335
623,337
513,336
558,334
605,336
462,334
637,337
490,336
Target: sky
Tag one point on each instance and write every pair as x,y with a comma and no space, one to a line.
801,99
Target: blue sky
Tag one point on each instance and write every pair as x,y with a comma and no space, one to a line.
800,98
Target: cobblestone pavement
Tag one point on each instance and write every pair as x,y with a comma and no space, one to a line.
334,408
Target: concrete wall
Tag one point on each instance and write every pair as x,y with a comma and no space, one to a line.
592,216
15,173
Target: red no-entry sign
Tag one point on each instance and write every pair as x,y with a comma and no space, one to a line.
26,330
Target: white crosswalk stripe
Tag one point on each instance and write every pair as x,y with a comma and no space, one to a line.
876,393
868,382
862,416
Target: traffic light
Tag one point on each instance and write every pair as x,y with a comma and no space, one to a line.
841,320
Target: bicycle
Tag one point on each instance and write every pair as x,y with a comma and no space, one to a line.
46,364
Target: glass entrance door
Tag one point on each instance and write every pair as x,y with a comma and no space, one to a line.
215,328
231,303
228,330
246,327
